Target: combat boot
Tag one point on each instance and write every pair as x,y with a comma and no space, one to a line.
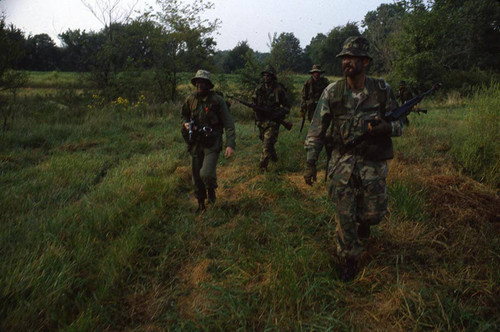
349,269
364,231
263,166
274,157
201,206
211,195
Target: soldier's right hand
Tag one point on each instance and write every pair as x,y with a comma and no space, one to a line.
302,112
310,174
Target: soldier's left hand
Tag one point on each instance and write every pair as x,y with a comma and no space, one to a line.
382,128
229,152
310,174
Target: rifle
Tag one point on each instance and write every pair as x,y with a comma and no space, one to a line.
394,115
277,116
408,107
303,121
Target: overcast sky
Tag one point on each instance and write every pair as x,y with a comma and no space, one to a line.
250,20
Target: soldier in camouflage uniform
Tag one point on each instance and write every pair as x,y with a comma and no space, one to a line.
311,92
208,115
404,94
269,94
349,116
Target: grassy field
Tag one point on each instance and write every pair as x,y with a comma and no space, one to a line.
98,230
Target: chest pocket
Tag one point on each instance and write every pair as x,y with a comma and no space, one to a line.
207,113
210,114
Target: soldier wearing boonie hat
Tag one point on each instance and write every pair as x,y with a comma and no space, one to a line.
349,122
272,95
311,91
205,117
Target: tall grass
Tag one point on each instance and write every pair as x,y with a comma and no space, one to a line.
477,148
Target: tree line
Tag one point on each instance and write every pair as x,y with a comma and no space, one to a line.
454,42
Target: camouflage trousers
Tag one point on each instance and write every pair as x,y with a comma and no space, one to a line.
310,111
358,190
268,134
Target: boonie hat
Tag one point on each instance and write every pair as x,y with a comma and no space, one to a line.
202,75
355,46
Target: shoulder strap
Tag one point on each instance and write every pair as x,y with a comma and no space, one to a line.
338,92
381,88
308,87
276,93
193,103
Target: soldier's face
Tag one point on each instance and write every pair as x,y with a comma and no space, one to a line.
267,77
202,86
354,65
315,75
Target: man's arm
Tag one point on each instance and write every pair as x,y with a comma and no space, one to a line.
303,104
392,103
315,138
284,100
186,114
229,128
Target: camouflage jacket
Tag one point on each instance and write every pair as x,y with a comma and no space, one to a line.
341,117
404,94
272,97
311,91
210,111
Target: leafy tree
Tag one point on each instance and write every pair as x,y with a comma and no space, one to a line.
235,58
11,39
79,49
286,53
313,50
250,74
183,43
325,49
112,14
470,35
381,25
41,53
448,41
416,45
11,80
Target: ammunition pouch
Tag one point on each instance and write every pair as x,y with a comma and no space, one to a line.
377,148
373,148
207,136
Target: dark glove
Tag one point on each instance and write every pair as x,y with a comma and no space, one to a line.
310,174
381,128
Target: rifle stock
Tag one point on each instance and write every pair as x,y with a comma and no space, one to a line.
302,124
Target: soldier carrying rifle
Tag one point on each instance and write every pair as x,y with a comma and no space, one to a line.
271,95
205,116
311,91
350,117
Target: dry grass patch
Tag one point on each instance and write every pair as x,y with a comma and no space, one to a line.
196,301
147,305
80,146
